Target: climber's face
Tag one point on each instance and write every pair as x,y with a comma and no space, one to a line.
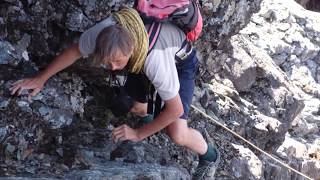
119,61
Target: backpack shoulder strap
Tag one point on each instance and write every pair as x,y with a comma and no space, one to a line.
154,100
153,33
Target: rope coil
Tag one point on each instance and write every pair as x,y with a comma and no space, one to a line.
130,19
251,144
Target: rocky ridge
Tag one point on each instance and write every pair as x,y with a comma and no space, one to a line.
267,91
261,82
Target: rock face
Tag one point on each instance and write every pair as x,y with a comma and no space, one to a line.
259,76
312,5
114,170
66,127
265,88
248,166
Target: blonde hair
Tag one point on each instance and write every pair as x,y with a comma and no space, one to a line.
130,19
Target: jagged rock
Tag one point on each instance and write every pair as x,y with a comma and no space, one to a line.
248,166
53,102
274,170
271,93
301,127
303,2
4,102
256,83
242,69
312,167
292,148
263,127
7,53
77,21
3,29
290,38
312,5
139,153
27,178
314,150
277,171
223,19
56,117
118,170
3,133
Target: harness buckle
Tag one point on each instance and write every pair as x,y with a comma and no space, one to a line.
184,52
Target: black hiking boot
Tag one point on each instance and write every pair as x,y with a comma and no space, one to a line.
207,169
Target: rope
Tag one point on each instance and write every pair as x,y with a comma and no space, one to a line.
130,19
248,142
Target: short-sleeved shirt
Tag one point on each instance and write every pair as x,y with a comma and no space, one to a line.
159,66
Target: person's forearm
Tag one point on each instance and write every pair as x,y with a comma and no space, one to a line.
162,121
170,114
63,60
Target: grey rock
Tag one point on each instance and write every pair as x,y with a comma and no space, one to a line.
45,111
280,58
276,171
139,153
59,118
223,25
3,29
247,165
89,5
309,4
261,100
22,45
118,170
4,102
10,148
77,21
294,47
308,167
242,69
3,133
311,167
292,148
28,178
7,53
24,105
60,152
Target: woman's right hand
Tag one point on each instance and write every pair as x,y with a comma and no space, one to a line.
35,84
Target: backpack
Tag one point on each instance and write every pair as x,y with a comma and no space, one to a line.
183,13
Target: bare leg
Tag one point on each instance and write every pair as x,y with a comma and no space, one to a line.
182,135
178,131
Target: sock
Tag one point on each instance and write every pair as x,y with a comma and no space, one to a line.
210,155
147,119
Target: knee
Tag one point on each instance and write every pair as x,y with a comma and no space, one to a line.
177,137
139,109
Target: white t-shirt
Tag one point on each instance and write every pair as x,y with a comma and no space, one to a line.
159,67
